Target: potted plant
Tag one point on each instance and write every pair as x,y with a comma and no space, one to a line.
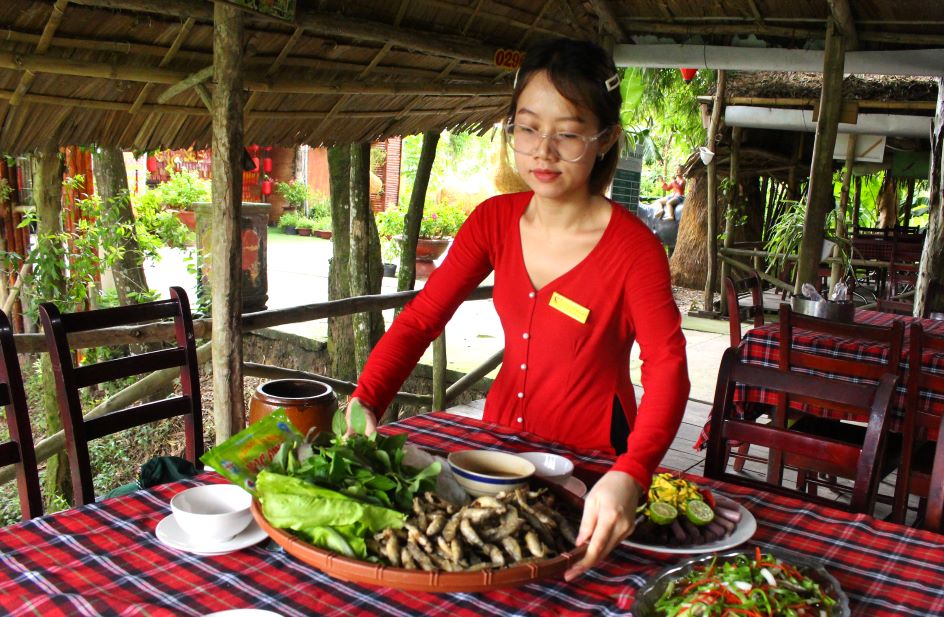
180,193
304,226
289,222
319,210
295,193
437,228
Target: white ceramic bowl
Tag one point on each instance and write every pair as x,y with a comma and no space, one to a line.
487,472
212,513
552,467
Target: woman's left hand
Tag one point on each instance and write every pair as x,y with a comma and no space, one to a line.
609,515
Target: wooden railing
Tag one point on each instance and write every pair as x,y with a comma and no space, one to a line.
161,380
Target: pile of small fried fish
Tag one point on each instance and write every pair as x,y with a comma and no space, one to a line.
490,532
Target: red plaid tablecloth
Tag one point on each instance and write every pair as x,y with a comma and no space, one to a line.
103,559
761,346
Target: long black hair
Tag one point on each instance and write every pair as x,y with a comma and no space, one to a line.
585,75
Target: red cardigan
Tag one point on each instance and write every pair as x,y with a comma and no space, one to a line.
559,376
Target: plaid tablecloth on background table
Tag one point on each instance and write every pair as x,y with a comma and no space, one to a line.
761,346
104,558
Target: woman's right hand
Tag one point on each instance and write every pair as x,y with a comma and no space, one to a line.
369,415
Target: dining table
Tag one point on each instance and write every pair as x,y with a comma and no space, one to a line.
761,346
104,558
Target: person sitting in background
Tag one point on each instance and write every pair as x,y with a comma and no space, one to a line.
677,195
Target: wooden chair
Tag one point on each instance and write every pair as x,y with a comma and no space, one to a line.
917,453
792,360
934,515
741,288
18,451
855,461
70,379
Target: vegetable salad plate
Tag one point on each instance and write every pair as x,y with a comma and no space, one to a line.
743,532
744,582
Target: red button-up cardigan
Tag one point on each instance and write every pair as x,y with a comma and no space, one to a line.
559,376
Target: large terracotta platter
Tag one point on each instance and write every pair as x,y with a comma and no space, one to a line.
356,571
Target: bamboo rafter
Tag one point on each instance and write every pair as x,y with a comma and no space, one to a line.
42,46
171,53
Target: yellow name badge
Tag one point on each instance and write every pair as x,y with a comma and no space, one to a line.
569,307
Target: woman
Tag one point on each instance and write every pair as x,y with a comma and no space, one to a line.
577,280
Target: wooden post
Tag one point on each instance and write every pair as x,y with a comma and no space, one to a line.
226,250
340,327
836,273
439,372
820,192
406,277
711,282
793,185
909,202
360,246
856,204
732,211
932,259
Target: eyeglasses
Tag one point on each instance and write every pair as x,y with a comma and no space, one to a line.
570,147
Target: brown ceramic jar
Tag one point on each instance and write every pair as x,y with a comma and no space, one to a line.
308,404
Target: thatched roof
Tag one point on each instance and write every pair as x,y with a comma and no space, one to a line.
102,71
884,88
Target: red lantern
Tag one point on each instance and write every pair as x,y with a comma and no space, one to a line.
267,165
255,164
253,149
266,187
688,74
151,164
268,148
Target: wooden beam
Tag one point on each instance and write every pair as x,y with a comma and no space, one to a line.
711,281
820,191
186,83
755,12
329,24
276,64
63,101
608,19
179,39
286,85
842,14
226,254
55,18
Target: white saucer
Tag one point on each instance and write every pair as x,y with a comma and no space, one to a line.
575,485
170,534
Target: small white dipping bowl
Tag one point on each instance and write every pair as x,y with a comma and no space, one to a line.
486,472
212,513
551,467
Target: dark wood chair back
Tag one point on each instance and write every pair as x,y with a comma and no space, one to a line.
18,450
70,379
934,513
791,359
918,421
895,307
857,461
749,286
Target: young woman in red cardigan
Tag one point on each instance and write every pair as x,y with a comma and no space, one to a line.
577,280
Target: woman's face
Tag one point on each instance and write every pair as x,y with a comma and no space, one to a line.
541,108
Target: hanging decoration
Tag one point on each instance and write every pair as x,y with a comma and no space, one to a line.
267,165
688,74
152,164
266,187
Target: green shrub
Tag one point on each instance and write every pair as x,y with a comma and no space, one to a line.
182,191
442,221
295,193
289,219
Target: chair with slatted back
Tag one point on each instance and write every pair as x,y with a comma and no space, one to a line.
934,515
917,453
895,307
70,379
850,368
749,286
854,461
18,450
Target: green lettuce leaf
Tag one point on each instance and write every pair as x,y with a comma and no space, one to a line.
292,503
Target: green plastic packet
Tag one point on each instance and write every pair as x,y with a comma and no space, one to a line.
241,457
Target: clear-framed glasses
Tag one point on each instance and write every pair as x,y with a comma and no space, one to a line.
570,147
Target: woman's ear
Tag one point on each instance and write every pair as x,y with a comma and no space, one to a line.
611,139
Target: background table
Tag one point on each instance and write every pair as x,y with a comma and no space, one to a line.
104,558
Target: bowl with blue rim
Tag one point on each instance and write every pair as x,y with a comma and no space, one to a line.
489,472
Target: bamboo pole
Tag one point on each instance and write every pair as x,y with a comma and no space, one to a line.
874,263
711,281
42,46
820,192
439,372
732,209
836,272
473,377
226,255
